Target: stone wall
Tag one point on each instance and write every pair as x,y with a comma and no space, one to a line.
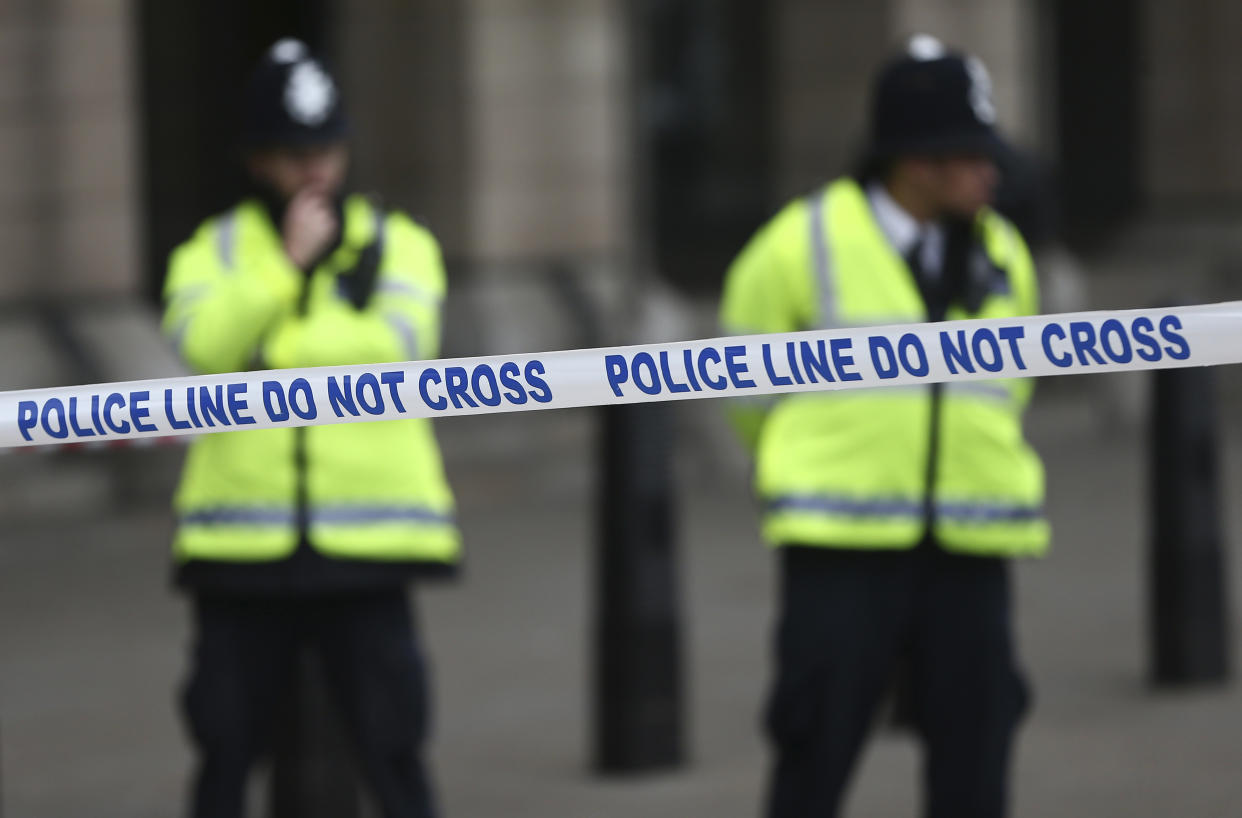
1191,103
68,205
548,108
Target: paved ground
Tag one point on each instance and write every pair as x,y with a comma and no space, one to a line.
92,644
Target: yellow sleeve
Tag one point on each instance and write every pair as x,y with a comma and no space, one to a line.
762,295
217,309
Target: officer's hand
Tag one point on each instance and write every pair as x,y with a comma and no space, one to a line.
309,228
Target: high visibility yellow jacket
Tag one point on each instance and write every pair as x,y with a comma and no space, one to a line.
882,468
358,491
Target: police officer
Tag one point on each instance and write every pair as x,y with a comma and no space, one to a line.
292,539
896,511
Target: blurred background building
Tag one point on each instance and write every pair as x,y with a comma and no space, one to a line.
590,167
532,132
520,127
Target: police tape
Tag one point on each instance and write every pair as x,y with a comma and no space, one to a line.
752,365
99,446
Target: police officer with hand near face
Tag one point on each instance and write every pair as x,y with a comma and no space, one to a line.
293,539
895,512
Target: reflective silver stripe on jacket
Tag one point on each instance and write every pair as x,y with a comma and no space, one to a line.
822,260
379,217
402,325
240,515
361,515
226,238
178,304
882,507
328,515
408,289
409,338
847,506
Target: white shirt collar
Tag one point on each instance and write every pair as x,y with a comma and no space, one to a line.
903,231
899,227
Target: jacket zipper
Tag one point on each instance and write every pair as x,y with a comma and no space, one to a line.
933,455
299,470
936,312
301,509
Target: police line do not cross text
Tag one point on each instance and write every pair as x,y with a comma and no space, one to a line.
853,358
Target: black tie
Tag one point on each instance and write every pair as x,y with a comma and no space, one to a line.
929,286
914,258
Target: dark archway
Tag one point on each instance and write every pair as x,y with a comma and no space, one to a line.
194,57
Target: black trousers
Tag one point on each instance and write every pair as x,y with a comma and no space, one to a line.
849,619
245,651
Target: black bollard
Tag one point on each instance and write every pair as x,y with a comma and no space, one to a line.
637,640
1186,567
313,772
